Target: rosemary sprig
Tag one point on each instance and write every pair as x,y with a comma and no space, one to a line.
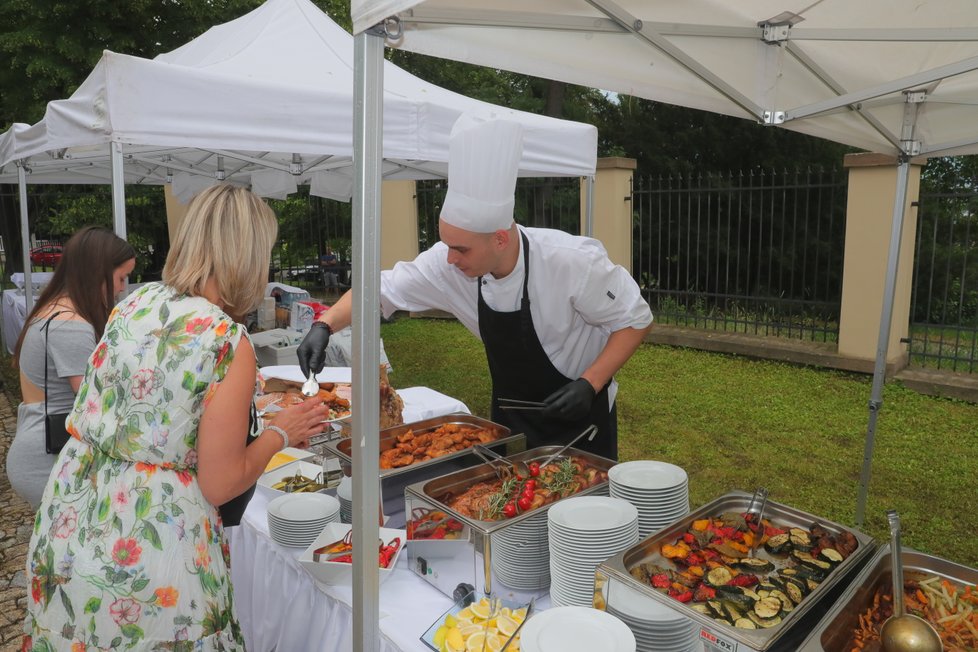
560,479
498,500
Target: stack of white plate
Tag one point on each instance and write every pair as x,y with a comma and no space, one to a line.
655,626
297,519
521,554
344,491
583,532
659,490
575,629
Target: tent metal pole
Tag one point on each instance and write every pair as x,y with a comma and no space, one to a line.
25,236
368,82
589,198
118,191
882,344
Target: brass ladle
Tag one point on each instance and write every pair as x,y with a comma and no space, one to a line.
903,632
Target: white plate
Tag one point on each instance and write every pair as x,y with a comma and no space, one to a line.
647,474
591,513
303,507
294,373
573,629
276,475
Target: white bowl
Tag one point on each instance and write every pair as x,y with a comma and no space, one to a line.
276,475
331,572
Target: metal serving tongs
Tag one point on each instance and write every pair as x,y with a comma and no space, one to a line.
502,466
756,508
516,404
529,610
589,432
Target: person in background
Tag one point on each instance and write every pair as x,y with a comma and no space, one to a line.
556,316
85,286
128,544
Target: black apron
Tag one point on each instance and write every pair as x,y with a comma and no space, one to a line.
521,369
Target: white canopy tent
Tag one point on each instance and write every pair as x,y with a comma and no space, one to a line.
266,100
891,76
274,99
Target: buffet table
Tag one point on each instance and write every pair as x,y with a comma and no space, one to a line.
281,607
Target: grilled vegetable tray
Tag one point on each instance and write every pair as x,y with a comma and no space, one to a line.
836,631
742,601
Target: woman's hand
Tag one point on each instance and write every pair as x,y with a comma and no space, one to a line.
302,421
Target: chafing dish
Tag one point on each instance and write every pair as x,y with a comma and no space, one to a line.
834,632
394,481
463,560
716,635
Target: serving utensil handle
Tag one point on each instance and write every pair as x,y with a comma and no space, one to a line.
896,562
591,430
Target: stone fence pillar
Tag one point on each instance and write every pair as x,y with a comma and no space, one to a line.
612,219
399,224
869,216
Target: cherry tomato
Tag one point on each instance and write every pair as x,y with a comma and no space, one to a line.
509,510
531,484
534,468
524,502
528,493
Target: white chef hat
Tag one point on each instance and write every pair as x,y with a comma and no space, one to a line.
483,160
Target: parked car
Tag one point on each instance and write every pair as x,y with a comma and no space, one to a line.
46,255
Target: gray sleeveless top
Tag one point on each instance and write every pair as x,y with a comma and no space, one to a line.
70,345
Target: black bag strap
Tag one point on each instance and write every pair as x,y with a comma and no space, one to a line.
46,327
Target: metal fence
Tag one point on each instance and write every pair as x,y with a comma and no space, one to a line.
756,252
944,300
553,203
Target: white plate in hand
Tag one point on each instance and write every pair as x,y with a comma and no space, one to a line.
293,372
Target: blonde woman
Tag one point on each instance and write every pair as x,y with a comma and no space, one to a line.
128,547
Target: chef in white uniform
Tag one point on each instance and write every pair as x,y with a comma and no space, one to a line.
556,316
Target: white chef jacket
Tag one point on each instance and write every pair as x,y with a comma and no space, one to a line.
578,297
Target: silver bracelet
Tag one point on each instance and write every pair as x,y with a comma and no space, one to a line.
285,435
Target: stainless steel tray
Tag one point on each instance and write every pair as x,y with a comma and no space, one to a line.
835,630
436,490
342,448
725,636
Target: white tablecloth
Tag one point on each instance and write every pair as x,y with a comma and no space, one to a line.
282,608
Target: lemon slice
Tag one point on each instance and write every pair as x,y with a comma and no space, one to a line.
519,615
494,643
506,625
454,640
469,630
480,609
450,621
474,642
464,614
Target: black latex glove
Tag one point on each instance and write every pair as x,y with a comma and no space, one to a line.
571,402
312,349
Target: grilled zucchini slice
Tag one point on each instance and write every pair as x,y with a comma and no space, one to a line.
800,539
719,576
765,624
830,555
745,623
754,565
779,544
767,608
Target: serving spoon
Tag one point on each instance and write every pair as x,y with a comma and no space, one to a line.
903,632
310,388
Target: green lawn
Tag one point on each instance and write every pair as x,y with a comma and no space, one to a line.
736,423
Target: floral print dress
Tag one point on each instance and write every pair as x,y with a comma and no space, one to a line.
126,552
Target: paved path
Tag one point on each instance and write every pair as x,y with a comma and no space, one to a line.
16,519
